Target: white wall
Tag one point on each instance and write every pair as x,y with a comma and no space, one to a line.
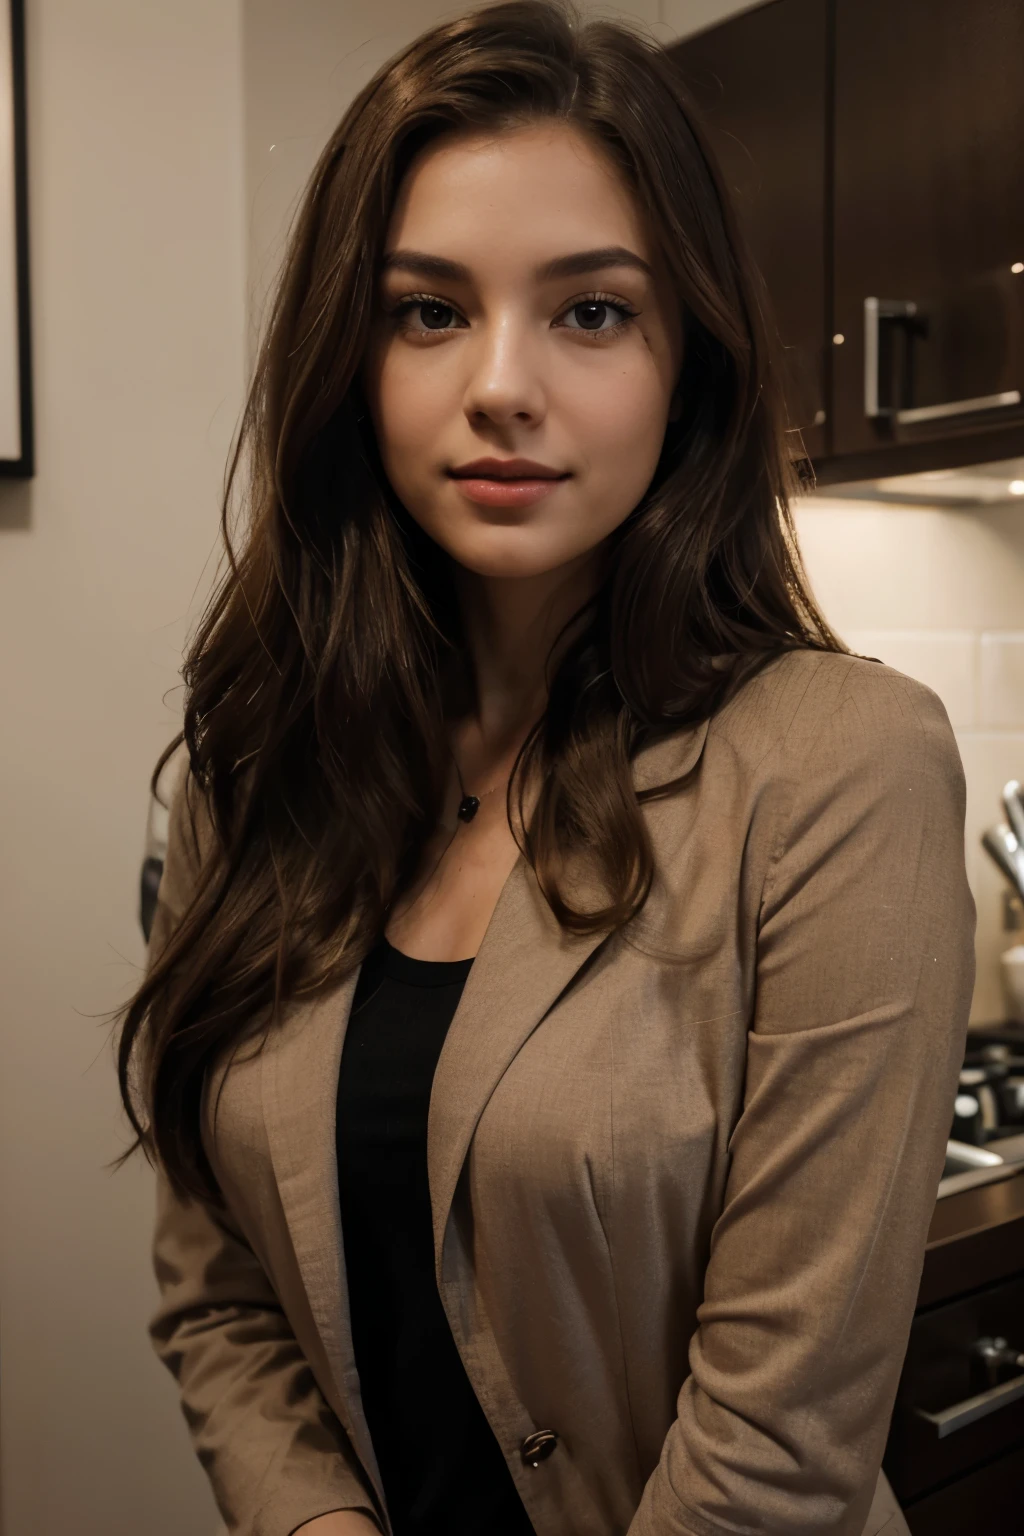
684,17
136,225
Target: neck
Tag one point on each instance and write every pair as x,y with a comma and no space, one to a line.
511,624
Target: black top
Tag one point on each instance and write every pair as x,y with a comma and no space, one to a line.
442,1468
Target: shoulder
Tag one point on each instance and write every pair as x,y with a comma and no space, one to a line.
823,708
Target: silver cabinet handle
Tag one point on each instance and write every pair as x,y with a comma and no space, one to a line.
958,407
877,310
972,1408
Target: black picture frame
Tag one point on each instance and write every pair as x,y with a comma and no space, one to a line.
22,433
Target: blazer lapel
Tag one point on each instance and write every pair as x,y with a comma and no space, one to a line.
524,964
299,1085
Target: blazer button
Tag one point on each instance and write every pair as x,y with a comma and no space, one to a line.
538,1447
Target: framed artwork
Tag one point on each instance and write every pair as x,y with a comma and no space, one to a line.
17,454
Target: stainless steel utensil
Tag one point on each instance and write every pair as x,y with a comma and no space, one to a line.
1013,804
1002,846
1015,849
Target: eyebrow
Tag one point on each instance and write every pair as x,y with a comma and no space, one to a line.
574,265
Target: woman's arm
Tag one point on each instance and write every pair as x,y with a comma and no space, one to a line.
865,969
276,1456
274,1453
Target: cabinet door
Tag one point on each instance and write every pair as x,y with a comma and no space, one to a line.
760,80
929,224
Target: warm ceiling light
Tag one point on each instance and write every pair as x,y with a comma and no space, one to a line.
1017,487
838,339
1018,266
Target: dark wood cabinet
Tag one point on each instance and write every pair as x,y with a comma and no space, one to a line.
776,166
929,213
875,150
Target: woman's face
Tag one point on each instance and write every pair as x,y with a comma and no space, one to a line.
477,352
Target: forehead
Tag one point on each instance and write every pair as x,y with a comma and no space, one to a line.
519,196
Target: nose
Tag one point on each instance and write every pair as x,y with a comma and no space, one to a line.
505,374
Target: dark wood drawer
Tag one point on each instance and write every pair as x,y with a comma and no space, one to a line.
988,1502
953,1412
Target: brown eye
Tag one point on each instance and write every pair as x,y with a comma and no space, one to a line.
434,313
435,316
591,313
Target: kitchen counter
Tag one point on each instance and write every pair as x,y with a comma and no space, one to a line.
975,1238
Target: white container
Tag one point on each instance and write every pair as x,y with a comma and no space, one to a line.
1012,962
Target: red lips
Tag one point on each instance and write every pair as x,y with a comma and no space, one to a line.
507,469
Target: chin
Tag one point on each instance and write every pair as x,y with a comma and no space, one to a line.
510,553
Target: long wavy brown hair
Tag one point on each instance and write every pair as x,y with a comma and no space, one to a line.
316,693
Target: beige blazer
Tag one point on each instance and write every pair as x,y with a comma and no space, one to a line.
681,1176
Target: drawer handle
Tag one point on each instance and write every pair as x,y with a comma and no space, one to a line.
877,310
972,1408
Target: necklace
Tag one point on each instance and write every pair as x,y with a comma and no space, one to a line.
470,804
468,807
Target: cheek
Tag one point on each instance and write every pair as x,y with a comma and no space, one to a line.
409,413
624,403
619,426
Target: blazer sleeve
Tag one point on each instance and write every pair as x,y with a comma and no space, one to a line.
274,1452
864,976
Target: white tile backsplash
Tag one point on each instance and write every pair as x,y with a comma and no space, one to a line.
874,565
938,594
1002,681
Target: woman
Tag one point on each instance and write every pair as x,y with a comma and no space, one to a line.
562,961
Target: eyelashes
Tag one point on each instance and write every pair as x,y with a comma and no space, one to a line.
416,301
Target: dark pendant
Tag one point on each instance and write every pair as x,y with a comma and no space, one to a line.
468,807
